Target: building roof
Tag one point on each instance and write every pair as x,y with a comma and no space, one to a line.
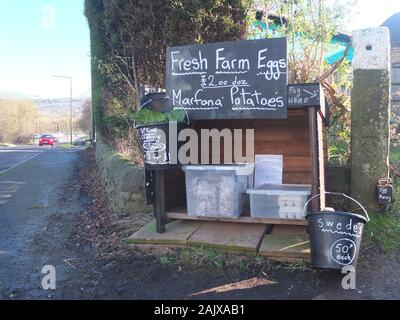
393,23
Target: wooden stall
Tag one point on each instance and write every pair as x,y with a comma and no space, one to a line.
301,139
244,85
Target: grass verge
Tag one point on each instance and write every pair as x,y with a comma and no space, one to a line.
65,146
384,231
7,145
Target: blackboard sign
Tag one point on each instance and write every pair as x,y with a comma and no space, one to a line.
154,143
160,145
385,194
229,80
305,95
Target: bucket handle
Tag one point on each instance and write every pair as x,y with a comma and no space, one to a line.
166,98
337,194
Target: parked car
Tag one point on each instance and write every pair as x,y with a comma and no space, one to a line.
47,140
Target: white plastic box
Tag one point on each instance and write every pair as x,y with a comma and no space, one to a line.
218,191
279,201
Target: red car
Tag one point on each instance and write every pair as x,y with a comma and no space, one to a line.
47,140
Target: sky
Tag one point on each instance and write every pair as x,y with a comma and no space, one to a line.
41,38
370,13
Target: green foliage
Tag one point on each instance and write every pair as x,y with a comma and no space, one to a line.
384,230
310,26
129,42
146,116
395,155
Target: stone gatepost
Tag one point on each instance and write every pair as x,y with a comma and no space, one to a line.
370,113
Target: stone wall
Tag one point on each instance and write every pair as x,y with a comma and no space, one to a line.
124,182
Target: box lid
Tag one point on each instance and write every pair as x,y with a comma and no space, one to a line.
240,169
282,190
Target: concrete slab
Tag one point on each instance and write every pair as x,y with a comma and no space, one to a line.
285,246
229,236
177,233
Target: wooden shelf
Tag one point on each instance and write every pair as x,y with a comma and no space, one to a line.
181,215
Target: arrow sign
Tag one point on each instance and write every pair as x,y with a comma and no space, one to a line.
308,95
313,95
305,95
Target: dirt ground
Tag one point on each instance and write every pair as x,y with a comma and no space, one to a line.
85,241
203,274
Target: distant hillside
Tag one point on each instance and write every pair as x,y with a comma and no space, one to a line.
55,106
59,106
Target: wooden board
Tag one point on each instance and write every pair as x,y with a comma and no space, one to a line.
176,233
231,237
289,137
285,246
181,215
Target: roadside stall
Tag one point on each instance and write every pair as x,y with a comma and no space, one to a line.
232,86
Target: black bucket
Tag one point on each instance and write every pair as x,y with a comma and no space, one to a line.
156,102
335,237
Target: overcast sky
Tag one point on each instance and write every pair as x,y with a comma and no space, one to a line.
40,38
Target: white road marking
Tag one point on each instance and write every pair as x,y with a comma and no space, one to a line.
22,162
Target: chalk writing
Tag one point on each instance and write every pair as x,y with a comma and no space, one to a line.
350,228
344,251
242,79
308,94
154,145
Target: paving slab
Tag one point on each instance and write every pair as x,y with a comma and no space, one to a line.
229,236
176,233
285,246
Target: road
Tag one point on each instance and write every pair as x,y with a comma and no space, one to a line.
38,201
10,157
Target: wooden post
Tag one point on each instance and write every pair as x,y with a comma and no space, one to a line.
314,155
159,200
322,160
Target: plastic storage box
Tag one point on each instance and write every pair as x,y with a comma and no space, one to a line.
279,201
218,191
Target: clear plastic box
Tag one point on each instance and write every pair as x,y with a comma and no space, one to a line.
218,191
279,201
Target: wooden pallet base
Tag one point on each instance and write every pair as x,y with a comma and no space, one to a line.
280,243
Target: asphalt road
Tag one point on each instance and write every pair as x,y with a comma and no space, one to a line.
38,201
10,157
